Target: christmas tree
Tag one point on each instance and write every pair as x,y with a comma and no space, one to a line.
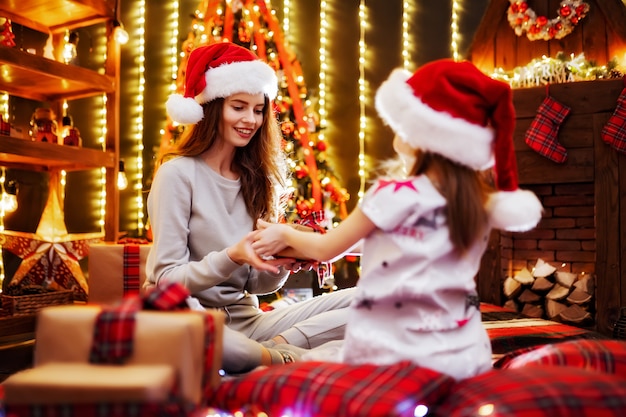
317,193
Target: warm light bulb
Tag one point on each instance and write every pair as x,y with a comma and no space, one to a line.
122,181
120,35
69,52
8,202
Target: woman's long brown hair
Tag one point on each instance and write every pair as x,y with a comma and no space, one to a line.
466,192
261,164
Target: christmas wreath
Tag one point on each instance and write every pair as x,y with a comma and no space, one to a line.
524,19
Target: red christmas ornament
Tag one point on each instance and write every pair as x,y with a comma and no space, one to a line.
551,31
301,171
321,146
565,11
523,6
287,128
304,208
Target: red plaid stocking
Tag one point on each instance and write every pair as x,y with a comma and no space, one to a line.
542,134
614,131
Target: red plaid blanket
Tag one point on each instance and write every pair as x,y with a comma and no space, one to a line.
510,330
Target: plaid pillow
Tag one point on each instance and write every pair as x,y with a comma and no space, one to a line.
608,356
536,391
324,389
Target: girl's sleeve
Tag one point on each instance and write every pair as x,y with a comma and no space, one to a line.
169,208
388,203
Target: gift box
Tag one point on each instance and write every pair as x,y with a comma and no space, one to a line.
116,270
175,354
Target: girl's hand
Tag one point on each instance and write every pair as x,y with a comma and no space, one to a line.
243,253
269,238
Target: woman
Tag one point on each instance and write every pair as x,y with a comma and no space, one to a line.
225,172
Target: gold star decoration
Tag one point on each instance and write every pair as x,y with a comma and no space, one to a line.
50,255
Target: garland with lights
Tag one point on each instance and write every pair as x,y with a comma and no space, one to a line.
558,70
522,19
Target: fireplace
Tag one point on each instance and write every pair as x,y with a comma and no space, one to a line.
583,229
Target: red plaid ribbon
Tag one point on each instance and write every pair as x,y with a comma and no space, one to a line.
115,326
131,269
313,220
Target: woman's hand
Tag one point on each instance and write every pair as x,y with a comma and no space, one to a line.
298,265
243,253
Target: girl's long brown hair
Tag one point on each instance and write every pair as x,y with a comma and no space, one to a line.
261,164
466,192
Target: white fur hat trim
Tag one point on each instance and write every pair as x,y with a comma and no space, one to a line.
422,127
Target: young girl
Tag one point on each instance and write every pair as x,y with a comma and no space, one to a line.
423,235
226,171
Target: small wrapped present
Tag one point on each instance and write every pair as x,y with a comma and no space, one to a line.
173,357
116,270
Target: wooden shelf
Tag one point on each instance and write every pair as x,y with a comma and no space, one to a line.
26,154
57,15
17,340
42,79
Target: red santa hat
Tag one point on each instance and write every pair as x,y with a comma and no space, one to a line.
453,109
219,70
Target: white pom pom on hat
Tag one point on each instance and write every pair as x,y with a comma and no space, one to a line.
453,109
219,70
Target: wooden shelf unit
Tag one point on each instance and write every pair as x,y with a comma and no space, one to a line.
41,156
37,78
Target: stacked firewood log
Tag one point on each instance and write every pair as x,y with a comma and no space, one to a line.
546,292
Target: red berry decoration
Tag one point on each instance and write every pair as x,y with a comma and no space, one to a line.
301,171
524,20
321,146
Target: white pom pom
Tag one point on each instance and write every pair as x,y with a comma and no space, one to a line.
184,110
515,211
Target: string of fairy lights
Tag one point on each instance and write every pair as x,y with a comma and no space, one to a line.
323,68
141,69
286,22
362,97
4,111
407,39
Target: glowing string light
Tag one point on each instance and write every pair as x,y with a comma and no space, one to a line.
454,44
362,98
138,184
103,170
286,14
4,110
406,38
174,46
323,68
